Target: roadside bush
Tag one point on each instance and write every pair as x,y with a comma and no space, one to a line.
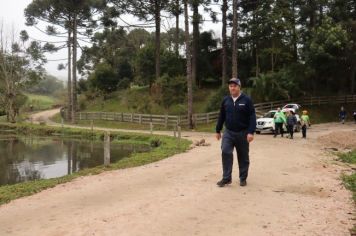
216,99
168,91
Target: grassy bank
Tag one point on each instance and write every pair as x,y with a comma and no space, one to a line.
139,100
328,113
318,114
350,180
164,147
39,102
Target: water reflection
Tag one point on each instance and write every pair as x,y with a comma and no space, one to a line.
31,158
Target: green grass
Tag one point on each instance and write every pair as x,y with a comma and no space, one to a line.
328,113
350,183
39,102
121,101
168,147
349,157
350,180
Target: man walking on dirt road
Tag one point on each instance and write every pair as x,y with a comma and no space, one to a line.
238,114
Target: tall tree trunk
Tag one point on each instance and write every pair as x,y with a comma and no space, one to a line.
74,157
177,13
158,37
312,8
196,20
189,66
272,56
257,46
11,108
257,60
321,14
295,39
74,70
69,85
69,157
352,77
224,43
234,39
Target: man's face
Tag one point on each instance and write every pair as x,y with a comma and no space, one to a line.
234,89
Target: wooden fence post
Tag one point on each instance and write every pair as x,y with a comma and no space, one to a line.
179,135
107,149
62,125
151,128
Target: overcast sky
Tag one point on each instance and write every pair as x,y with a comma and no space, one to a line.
12,16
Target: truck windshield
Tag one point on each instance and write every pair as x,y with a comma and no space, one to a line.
269,115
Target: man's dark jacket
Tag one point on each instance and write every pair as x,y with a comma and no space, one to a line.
238,116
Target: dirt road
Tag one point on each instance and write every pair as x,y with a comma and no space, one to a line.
293,189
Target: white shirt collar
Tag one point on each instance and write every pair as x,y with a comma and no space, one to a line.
235,98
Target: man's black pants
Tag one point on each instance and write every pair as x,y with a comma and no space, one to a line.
290,130
304,131
278,128
239,141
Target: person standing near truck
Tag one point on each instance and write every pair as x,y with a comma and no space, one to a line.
305,122
291,123
342,115
279,119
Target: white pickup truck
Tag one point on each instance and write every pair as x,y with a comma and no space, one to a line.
266,122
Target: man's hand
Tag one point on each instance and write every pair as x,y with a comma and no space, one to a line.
218,136
250,138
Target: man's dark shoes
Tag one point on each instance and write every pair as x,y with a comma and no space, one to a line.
223,182
243,183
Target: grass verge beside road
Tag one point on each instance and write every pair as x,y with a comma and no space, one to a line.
350,180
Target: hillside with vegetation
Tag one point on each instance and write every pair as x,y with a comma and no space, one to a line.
279,49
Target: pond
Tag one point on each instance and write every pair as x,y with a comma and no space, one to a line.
32,158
